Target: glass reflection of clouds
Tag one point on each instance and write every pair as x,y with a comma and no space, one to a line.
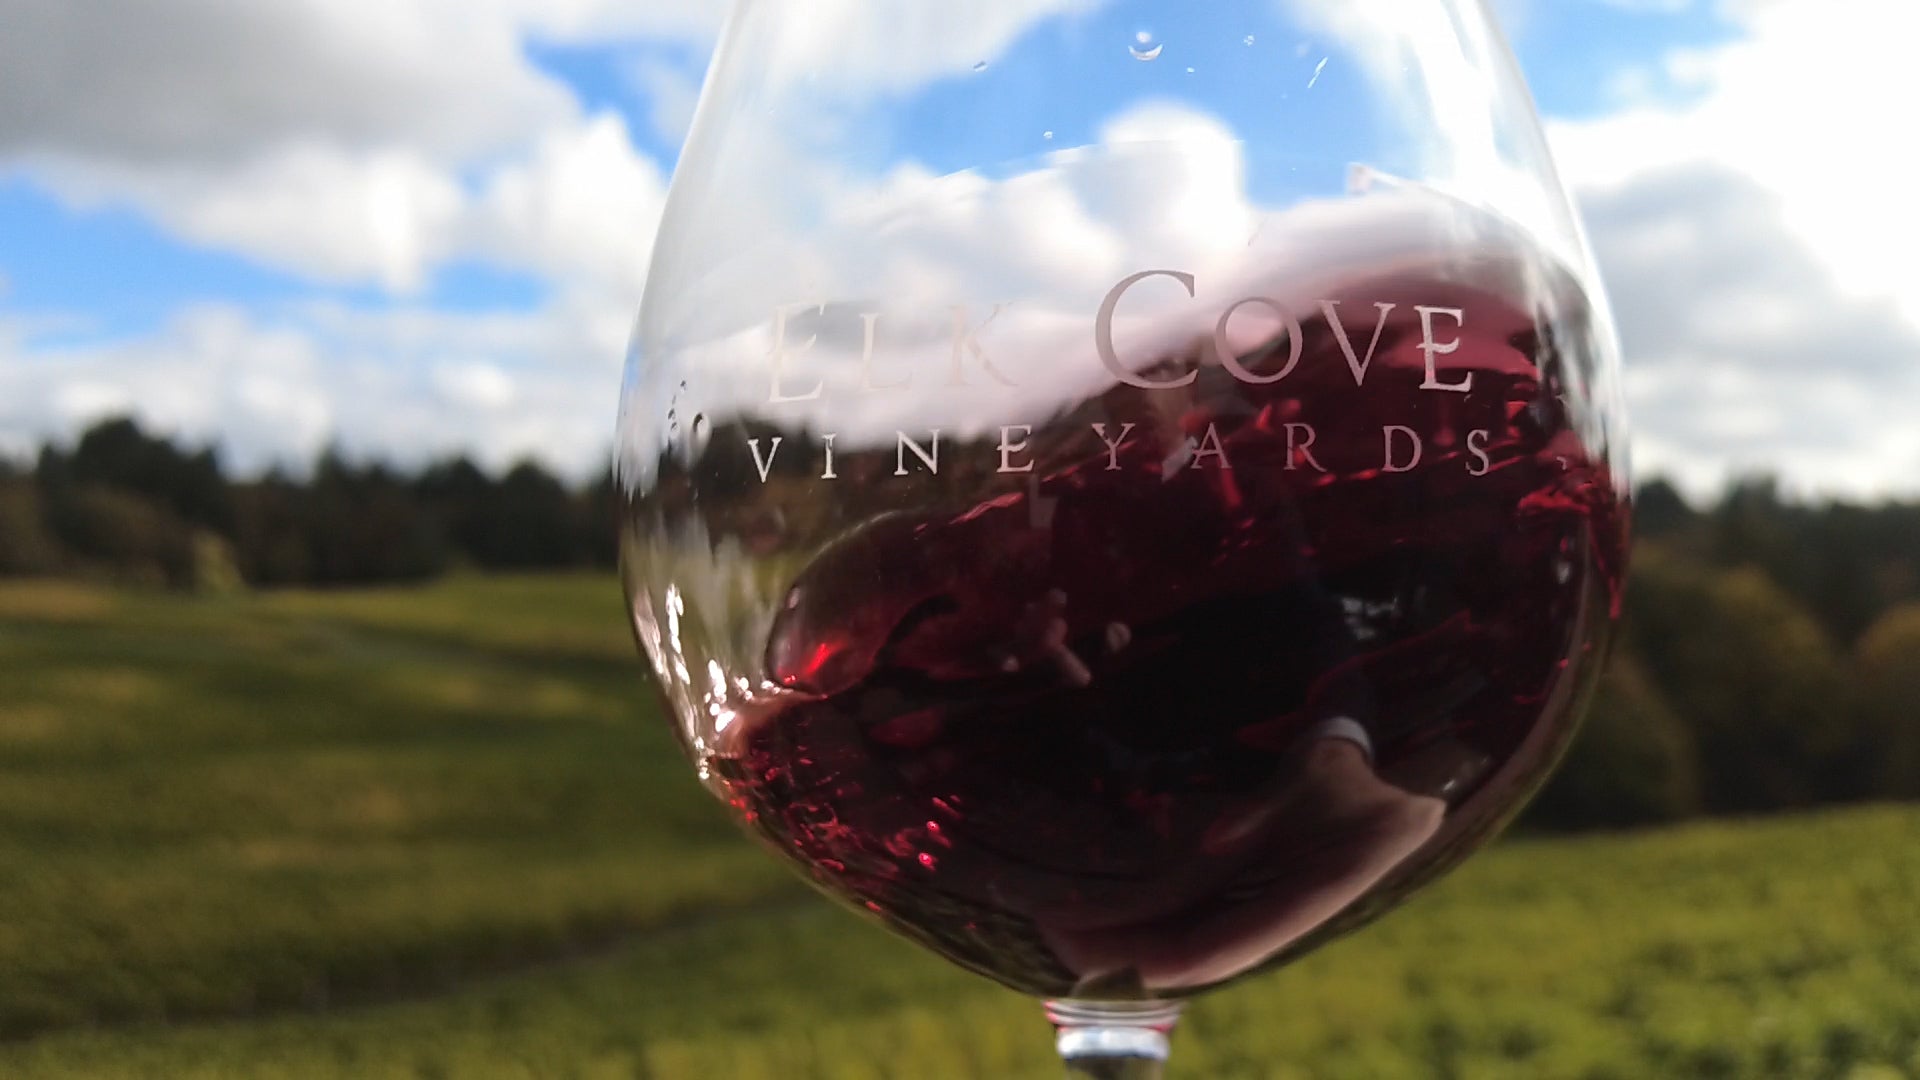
854,170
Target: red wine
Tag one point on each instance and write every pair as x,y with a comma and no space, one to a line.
1178,704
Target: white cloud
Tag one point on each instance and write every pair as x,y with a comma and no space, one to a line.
1024,261
209,373
1744,352
275,389
670,94
352,144
349,143
341,141
346,143
1759,255
478,384
583,207
864,49
199,80
1799,104
579,208
1755,239
1450,104
128,81
312,208
603,20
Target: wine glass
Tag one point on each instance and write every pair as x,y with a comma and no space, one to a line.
1121,491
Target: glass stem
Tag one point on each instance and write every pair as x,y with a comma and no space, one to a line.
1112,1040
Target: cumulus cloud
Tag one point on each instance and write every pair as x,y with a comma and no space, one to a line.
333,139
344,143
349,143
1798,104
670,93
1757,255
1752,237
214,80
585,205
273,389
352,144
1450,101
1746,354
579,207
198,79
873,49
311,208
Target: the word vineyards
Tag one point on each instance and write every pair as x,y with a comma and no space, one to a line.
1441,333
1402,451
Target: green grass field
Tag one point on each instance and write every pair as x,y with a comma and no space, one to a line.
442,833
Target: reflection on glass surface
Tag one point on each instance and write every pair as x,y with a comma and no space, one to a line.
1122,491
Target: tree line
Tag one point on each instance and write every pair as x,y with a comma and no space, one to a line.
126,506
1770,657
1769,660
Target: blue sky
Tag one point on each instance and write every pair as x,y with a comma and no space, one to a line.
439,242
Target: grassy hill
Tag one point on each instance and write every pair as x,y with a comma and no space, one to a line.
442,833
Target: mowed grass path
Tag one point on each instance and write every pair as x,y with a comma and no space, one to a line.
443,834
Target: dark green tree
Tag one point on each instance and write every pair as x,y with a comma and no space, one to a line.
364,525
1754,677
26,547
1660,510
1887,670
117,454
118,535
273,523
533,523
1635,763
